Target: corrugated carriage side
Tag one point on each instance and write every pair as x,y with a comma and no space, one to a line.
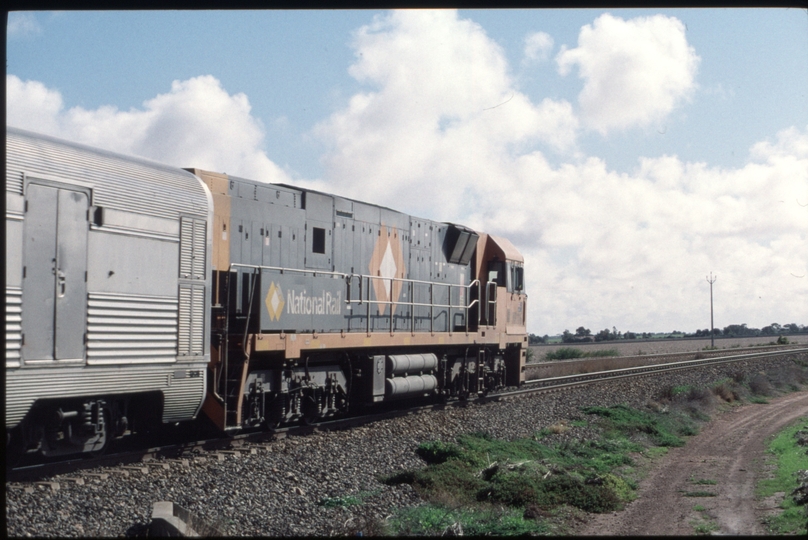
107,304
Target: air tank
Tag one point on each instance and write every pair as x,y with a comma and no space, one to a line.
411,364
407,386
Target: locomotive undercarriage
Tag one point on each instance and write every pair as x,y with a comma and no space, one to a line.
323,386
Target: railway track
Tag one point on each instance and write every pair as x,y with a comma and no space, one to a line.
179,454
635,371
537,370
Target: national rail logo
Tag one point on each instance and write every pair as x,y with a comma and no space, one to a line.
274,302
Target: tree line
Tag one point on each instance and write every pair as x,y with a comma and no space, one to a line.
585,335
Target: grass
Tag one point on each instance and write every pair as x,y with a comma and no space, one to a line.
662,429
788,458
433,520
704,527
704,482
346,500
491,486
482,485
569,353
703,524
680,390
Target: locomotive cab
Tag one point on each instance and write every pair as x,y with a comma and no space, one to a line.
502,300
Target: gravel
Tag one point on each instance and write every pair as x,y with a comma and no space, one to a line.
322,484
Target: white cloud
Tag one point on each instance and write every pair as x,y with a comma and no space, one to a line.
32,105
538,46
635,72
619,249
196,124
440,113
22,24
440,131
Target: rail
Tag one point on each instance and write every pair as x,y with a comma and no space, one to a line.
576,378
147,454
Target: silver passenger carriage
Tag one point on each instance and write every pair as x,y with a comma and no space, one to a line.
107,294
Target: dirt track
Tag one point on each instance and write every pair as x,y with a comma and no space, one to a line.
730,451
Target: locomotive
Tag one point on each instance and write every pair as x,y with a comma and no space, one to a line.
139,295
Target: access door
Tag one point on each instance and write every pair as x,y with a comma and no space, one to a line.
54,294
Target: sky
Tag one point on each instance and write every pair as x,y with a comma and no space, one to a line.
626,153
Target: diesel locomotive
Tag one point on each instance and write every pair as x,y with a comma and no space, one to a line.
139,294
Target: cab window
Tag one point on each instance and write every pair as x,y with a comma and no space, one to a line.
496,272
517,278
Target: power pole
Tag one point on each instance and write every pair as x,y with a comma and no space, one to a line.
711,280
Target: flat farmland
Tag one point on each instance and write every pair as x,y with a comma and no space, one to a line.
635,347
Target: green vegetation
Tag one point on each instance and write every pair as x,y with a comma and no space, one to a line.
345,501
788,457
680,390
569,353
704,482
704,527
431,520
485,485
480,485
661,429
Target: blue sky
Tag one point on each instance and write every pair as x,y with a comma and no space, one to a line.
627,153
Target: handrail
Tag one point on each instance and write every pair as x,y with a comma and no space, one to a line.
365,297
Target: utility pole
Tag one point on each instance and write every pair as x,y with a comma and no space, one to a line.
711,280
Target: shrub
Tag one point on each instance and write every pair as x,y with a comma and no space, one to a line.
521,490
558,428
436,520
403,477
604,352
789,377
760,385
452,480
701,395
624,419
725,392
621,488
564,353
437,451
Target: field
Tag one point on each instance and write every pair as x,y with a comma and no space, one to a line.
634,347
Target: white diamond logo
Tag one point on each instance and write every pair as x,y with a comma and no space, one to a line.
274,302
387,269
